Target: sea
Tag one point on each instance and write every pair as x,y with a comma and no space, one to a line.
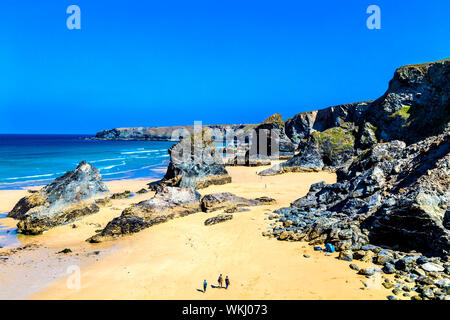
32,160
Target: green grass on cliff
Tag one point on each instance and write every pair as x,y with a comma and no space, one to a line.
403,112
338,138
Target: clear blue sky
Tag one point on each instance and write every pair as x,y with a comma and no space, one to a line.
156,63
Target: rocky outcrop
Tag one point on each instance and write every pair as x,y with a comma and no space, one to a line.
218,201
303,124
168,203
194,162
218,219
393,195
62,201
415,106
168,133
271,136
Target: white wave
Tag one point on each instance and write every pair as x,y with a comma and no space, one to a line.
142,151
36,176
105,160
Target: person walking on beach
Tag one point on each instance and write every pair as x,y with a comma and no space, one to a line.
227,282
205,284
220,281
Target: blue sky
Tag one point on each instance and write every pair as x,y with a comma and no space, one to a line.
157,63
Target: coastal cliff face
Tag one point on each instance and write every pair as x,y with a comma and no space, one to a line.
389,192
166,133
415,106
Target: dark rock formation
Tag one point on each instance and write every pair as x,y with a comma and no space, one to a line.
415,106
194,162
393,194
303,124
271,139
168,203
169,133
218,219
62,201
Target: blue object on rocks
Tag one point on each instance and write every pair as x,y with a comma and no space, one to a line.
317,248
329,248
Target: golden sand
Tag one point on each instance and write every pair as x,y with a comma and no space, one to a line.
171,260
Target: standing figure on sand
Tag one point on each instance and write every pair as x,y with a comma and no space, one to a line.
220,281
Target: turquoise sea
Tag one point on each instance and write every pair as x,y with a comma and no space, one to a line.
29,160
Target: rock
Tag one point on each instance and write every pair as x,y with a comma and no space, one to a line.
389,192
427,293
266,200
142,191
369,271
286,235
346,255
121,195
396,291
65,251
387,285
388,268
168,203
392,298
62,201
217,219
194,162
217,201
306,256
271,140
354,267
432,267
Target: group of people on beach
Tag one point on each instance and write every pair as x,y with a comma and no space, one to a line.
219,281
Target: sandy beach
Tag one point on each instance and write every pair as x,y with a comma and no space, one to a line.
171,260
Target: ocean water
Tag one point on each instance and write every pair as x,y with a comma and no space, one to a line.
29,160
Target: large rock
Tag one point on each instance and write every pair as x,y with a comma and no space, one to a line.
217,201
416,104
168,203
194,162
271,140
332,148
393,195
302,125
62,201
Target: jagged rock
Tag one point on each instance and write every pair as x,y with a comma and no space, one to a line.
168,203
217,219
330,148
432,267
62,201
142,191
303,124
416,104
194,162
271,136
121,195
217,201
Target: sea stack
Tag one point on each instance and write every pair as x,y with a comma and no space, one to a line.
194,162
62,201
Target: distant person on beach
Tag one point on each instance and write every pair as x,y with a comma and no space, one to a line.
227,282
205,284
220,280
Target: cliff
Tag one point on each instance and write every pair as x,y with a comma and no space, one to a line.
166,133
